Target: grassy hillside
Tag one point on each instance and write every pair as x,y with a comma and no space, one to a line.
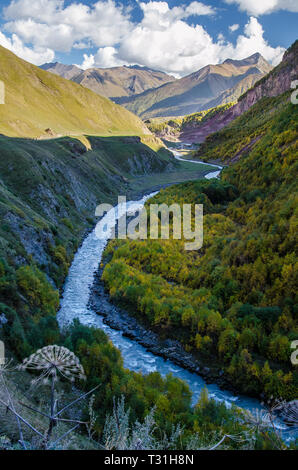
234,302
36,100
238,137
49,190
53,186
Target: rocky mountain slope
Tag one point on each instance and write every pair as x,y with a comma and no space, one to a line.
50,186
36,101
210,86
112,82
63,70
273,84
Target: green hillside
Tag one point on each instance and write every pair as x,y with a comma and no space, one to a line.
238,137
36,100
50,187
234,302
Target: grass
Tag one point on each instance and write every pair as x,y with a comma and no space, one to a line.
49,190
36,100
184,171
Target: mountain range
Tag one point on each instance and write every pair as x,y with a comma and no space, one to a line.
149,93
112,82
211,86
277,82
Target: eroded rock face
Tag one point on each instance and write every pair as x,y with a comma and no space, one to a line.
274,84
278,81
35,242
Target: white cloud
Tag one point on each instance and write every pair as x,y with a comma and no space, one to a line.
262,7
108,57
159,15
105,57
234,27
49,23
253,41
36,55
88,62
161,40
82,45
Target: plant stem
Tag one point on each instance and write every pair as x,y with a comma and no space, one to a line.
52,414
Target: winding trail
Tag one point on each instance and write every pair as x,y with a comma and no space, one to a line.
75,304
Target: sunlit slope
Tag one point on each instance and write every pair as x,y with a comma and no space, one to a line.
37,101
208,87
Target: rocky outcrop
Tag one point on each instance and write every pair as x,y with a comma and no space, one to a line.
35,242
275,83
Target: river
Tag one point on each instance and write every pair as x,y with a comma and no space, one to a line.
75,304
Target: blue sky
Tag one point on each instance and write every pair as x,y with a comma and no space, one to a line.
178,37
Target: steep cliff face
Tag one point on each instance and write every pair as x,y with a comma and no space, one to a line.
275,83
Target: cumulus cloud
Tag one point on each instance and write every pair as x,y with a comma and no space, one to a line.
88,62
82,45
50,23
36,55
179,48
159,15
253,41
108,57
234,27
163,39
262,7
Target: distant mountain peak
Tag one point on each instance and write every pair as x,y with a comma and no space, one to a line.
65,71
144,67
210,86
48,65
126,80
251,60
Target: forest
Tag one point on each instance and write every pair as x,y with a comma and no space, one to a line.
233,301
